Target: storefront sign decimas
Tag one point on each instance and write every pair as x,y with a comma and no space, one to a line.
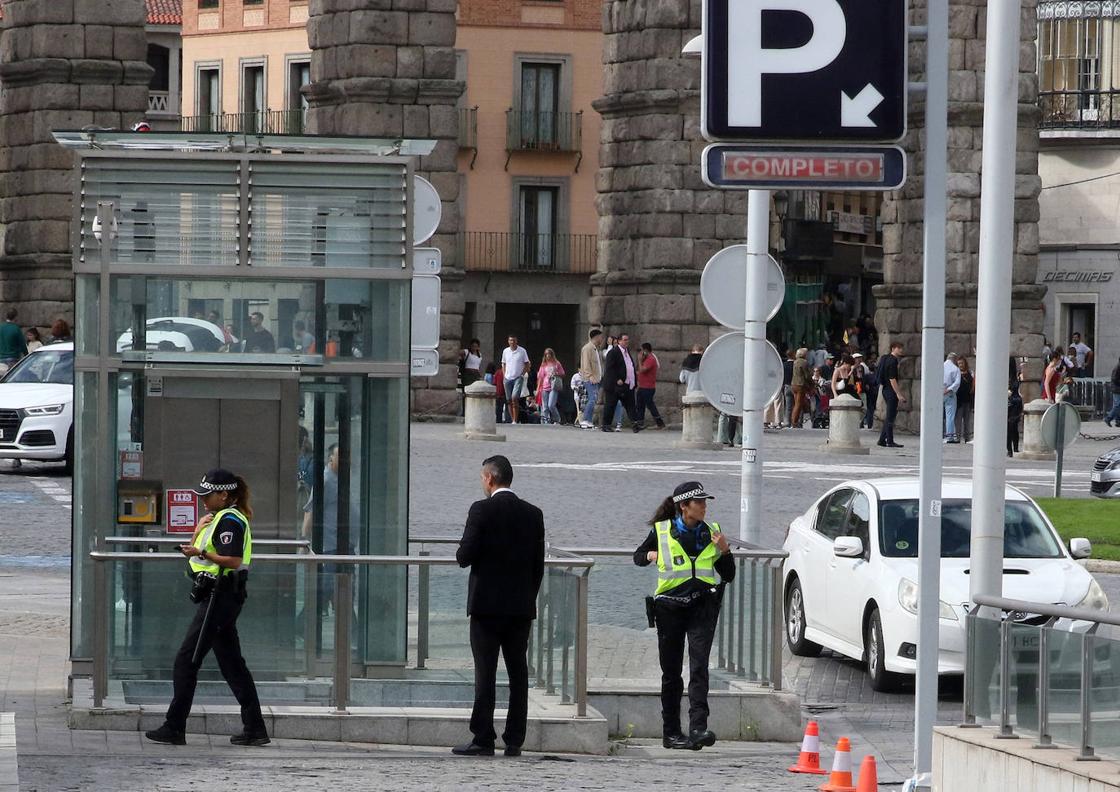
182,511
1077,277
752,167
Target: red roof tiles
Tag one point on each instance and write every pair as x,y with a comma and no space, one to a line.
165,12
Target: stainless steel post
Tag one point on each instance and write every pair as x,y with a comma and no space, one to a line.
581,644
764,628
1005,730
422,616
748,619
343,604
1087,753
969,720
754,364
1044,738
100,633
777,625
550,635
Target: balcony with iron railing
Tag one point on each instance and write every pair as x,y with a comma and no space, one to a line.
503,251
544,132
1080,109
261,122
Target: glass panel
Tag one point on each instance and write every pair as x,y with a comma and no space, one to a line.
87,302
86,497
558,614
983,665
324,215
622,646
1064,682
359,319
1024,678
1105,701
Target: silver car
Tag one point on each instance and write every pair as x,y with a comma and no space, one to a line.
1104,480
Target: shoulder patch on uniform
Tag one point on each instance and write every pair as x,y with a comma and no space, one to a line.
226,537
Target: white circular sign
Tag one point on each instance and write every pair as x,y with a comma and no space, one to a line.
1070,422
721,374
723,286
427,209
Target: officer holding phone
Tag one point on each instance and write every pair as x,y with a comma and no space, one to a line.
693,564
219,555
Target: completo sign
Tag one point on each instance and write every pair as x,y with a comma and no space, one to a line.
762,167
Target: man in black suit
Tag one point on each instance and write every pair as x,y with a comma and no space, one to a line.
503,544
619,380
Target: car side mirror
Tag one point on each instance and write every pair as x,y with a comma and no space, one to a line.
847,547
1080,548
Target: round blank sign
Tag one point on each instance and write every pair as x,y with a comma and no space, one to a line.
721,373
427,209
723,286
1070,423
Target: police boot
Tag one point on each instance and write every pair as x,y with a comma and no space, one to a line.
676,741
701,738
165,734
250,738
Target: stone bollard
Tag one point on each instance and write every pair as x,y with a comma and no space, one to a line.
1031,441
696,422
478,412
844,415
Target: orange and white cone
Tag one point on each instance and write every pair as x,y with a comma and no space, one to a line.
840,779
868,777
810,759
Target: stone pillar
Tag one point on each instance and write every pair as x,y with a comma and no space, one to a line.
696,422
899,298
479,417
387,70
1030,443
64,64
844,415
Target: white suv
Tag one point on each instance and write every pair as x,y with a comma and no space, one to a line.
37,406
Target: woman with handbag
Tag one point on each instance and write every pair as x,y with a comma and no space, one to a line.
550,381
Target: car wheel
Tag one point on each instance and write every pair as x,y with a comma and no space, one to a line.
69,458
795,623
875,651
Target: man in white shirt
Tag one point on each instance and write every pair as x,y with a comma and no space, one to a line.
951,381
515,363
1084,356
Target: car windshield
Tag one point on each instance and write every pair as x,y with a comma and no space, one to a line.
1025,533
44,366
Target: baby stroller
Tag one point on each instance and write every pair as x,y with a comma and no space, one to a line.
820,417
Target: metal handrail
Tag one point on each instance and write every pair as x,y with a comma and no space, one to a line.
1052,613
176,541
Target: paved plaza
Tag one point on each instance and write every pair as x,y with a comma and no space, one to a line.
597,490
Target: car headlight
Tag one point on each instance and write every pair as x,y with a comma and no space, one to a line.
50,409
908,599
1094,598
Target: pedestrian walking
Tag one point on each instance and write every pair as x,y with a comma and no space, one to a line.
591,374
550,383
966,398
951,383
1114,414
787,388
515,367
219,555
1014,414
887,376
690,553
619,381
870,392
13,345
648,366
801,381
470,363
503,544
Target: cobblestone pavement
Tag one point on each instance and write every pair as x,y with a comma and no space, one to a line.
596,490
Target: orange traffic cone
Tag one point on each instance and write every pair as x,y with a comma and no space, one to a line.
868,777
810,759
840,779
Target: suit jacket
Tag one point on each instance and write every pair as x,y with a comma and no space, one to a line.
614,369
503,544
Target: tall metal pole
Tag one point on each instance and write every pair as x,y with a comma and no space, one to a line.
754,364
993,310
933,353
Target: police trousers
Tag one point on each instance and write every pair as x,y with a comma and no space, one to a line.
221,636
697,622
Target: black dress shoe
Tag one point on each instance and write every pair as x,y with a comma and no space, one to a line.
166,735
473,749
894,445
513,750
705,738
676,742
250,738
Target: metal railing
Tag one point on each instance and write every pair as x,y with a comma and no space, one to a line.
262,122
342,608
544,131
174,541
1079,109
468,127
503,251
1026,652
1092,392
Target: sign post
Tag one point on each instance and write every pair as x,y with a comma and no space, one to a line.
1061,424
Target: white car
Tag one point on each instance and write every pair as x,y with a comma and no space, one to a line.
37,406
850,580
178,333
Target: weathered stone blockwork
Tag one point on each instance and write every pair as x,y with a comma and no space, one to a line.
899,298
64,64
386,68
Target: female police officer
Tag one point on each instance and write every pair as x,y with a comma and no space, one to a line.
689,552
219,556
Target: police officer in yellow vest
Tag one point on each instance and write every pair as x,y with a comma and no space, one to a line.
219,554
693,557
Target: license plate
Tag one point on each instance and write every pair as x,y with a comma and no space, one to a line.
1094,476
